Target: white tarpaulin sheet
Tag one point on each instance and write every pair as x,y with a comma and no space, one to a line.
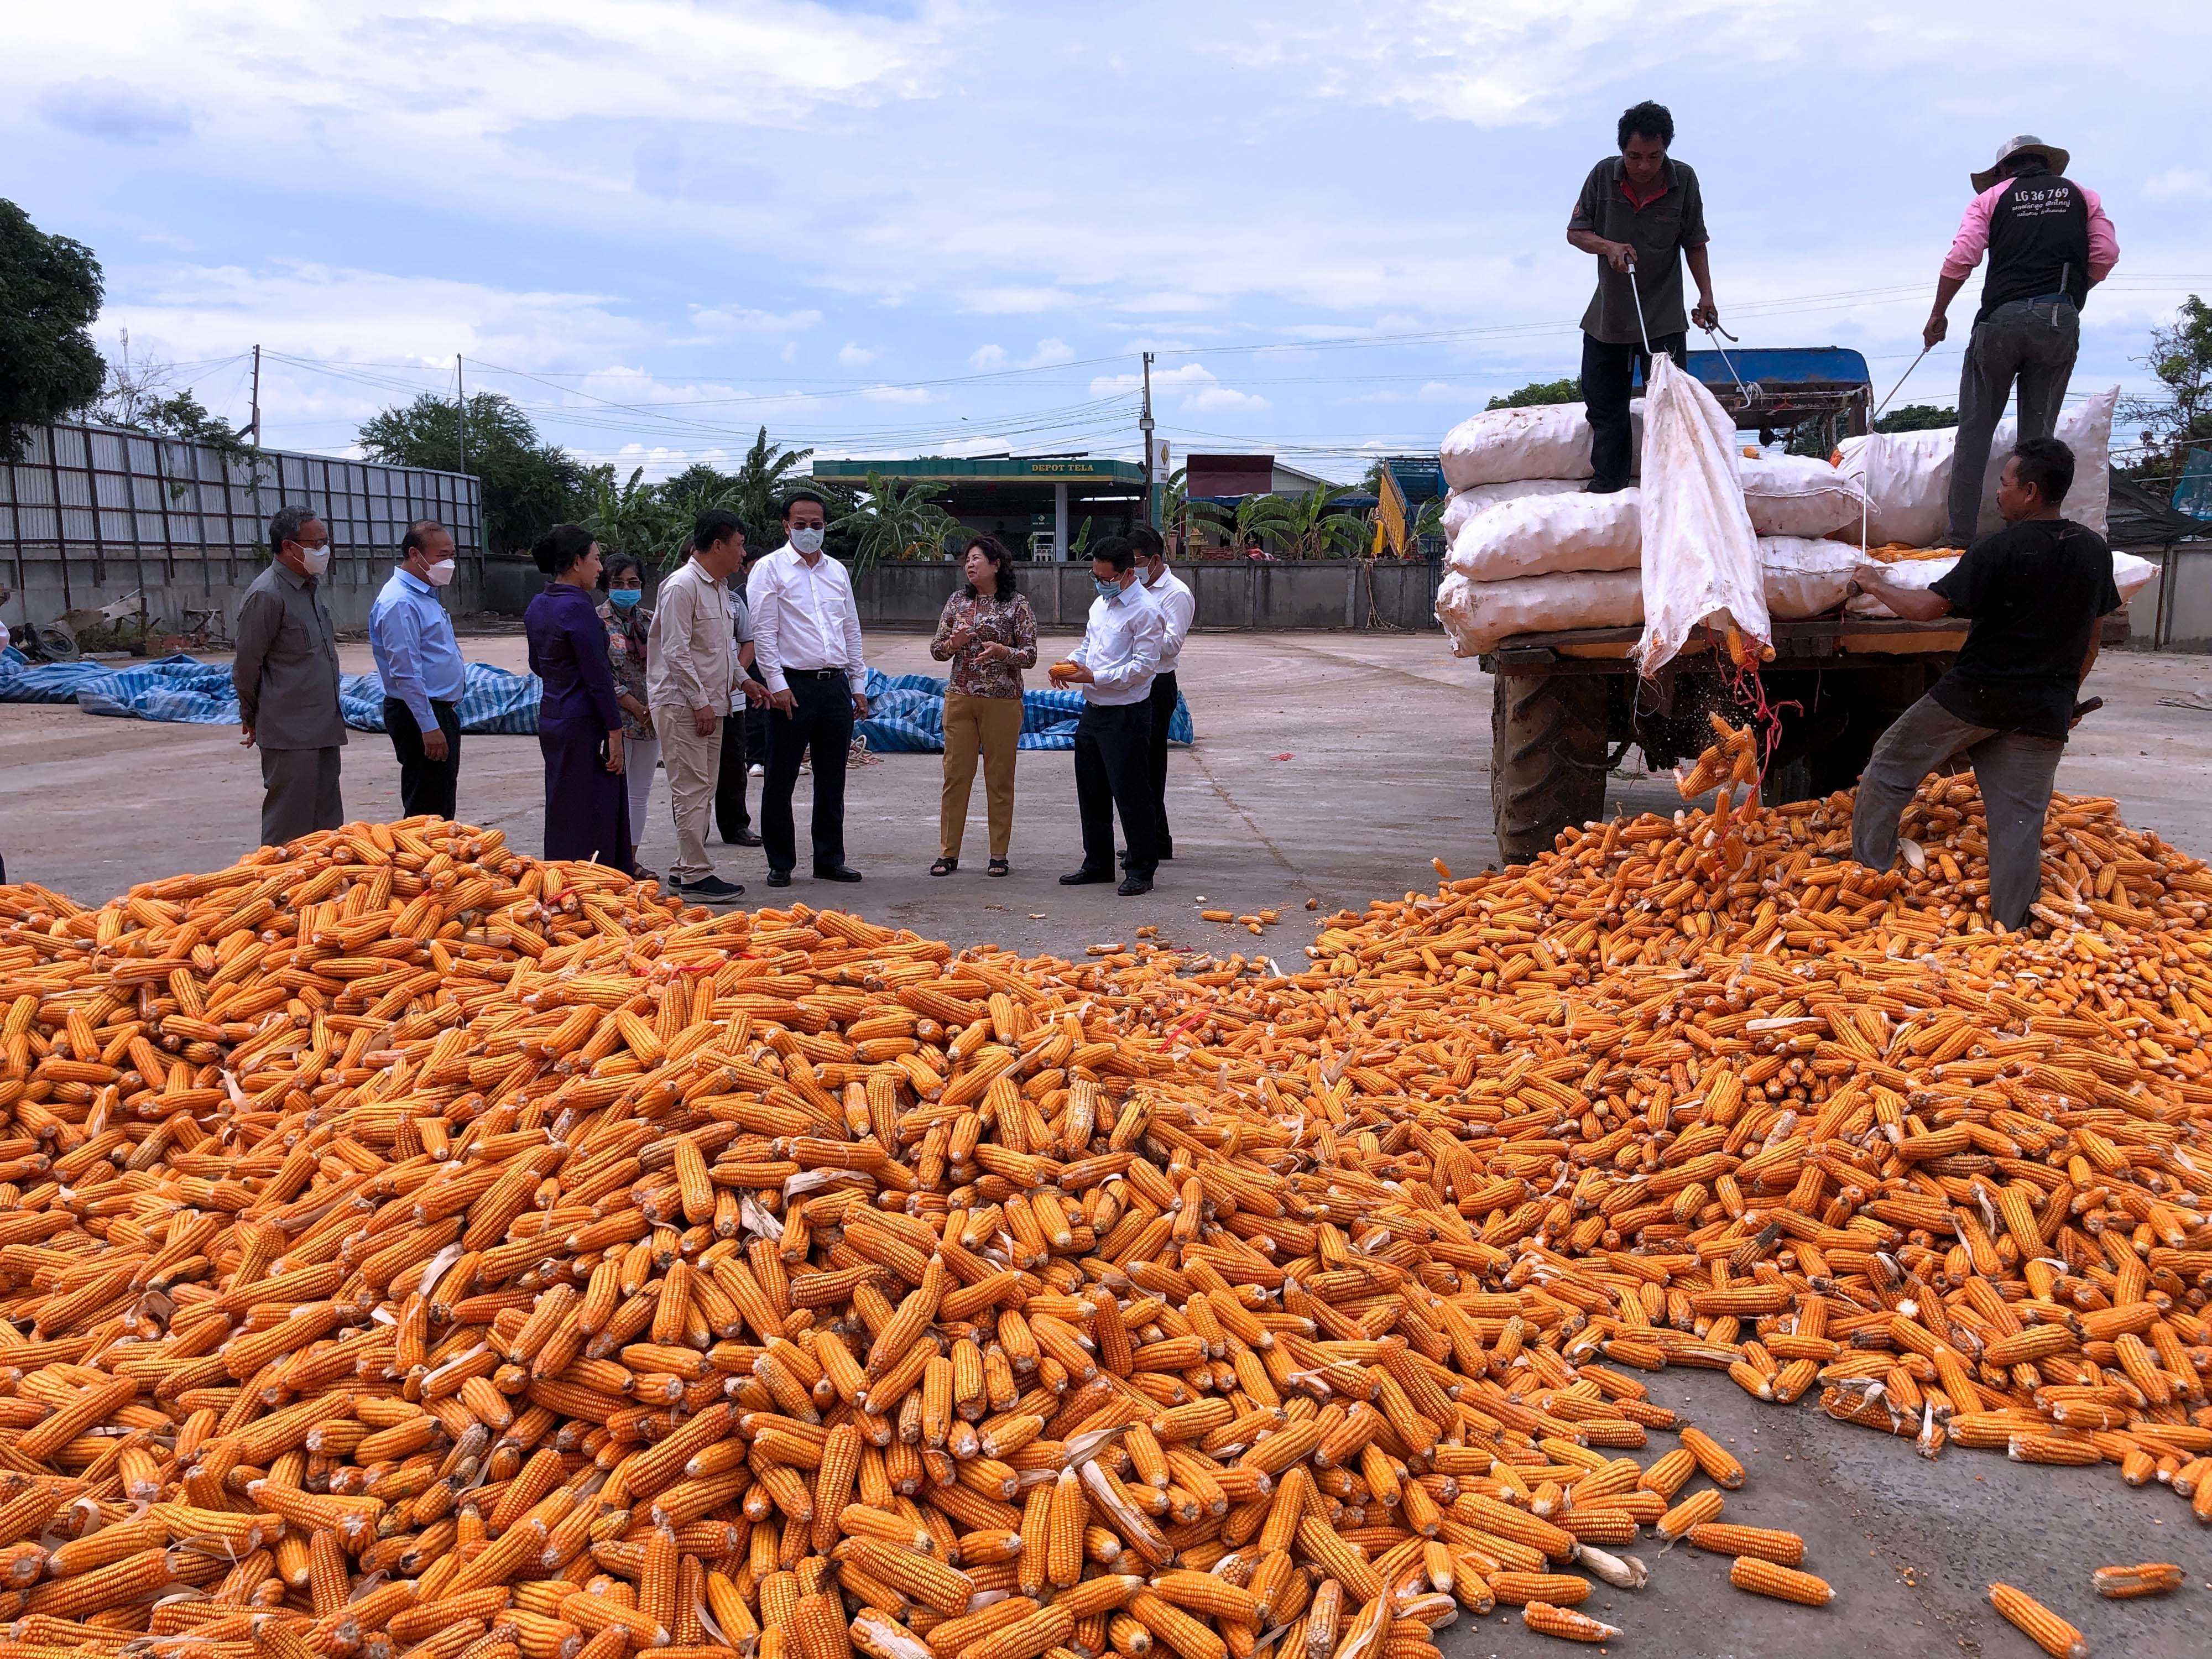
1700,553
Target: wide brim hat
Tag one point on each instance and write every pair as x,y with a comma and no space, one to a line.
2053,157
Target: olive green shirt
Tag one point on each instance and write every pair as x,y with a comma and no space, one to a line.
286,672
1660,232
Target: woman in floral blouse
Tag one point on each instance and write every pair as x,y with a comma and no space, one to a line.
628,620
988,634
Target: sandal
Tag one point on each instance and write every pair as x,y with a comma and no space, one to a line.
995,867
943,866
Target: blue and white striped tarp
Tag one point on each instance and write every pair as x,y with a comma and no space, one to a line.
906,712
906,715
183,689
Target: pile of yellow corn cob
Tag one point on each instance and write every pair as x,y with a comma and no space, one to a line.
408,1248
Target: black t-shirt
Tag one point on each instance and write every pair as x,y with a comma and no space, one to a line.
2034,591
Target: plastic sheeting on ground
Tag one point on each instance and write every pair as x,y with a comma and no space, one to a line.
906,715
183,689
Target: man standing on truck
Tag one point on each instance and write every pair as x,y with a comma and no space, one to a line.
1641,213
2034,593
2048,243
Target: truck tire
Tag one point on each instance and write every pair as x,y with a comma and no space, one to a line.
1547,747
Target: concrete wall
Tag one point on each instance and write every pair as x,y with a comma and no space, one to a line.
188,581
1264,598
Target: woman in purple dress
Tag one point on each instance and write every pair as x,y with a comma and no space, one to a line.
579,726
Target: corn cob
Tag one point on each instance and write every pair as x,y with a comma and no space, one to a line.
2038,1623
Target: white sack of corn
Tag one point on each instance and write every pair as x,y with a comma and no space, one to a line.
1800,495
1805,576
2130,574
1907,475
1478,615
1464,504
1700,553
1509,445
1544,535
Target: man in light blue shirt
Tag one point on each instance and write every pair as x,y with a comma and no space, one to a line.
419,661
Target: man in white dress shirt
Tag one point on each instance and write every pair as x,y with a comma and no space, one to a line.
806,641
1176,605
1114,665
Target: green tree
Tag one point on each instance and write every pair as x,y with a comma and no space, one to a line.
1539,391
1312,526
1917,417
1191,520
889,520
50,292
633,517
529,486
2178,417
768,473
1266,516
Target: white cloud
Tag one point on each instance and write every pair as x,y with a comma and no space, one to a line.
1014,300
854,354
1214,399
734,322
1047,352
2179,184
1182,374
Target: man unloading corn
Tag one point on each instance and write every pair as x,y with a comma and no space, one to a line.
2034,593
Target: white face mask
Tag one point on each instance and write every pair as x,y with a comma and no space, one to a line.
316,559
440,572
808,541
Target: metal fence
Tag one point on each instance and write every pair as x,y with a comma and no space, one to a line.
100,494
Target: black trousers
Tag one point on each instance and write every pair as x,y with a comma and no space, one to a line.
1608,376
822,721
1114,772
425,786
744,740
1163,700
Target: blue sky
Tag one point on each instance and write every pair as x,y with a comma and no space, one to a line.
950,227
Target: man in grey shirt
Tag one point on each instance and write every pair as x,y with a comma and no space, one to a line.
286,672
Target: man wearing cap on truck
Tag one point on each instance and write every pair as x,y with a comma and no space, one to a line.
1640,212
2048,243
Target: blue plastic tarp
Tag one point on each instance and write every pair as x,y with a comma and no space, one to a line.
183,689
906,715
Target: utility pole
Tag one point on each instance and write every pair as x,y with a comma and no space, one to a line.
1145,426
253,425
461,410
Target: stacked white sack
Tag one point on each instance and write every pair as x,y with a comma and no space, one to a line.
1513,445
2130,574
1805,576
1546,534
1800,495
1464,504
1476,615
1907,475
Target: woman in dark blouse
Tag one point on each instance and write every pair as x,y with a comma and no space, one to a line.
580,723
988,634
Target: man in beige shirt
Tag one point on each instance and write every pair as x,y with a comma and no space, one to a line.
690,671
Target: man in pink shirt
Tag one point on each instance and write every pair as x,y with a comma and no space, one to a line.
2048,243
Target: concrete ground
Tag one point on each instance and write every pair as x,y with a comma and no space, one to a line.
1330,767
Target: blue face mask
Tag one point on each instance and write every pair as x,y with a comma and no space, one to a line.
623,599
1107,590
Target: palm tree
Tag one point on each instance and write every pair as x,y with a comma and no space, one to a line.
894,520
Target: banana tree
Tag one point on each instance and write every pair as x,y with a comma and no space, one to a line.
1186,517
1314,527
1266,518
633,517
893,520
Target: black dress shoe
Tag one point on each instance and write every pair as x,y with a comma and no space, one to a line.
743,838
835,872
1597,487
1133,885
1086,877
778,878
